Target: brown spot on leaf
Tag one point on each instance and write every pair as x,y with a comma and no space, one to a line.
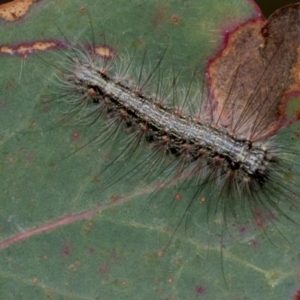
261,218
24,49
297,295
82,10
252,76
16,9
95,179
242,229
32,124
178,197
11,84
200,290
160,253
175,19
167,230
140,42
6,50
75,136
53,165
88,226
67,250
103,51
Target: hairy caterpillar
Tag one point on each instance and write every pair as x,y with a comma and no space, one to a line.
224,143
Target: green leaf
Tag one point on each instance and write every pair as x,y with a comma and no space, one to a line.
65,237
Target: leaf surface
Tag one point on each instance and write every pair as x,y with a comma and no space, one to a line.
65,237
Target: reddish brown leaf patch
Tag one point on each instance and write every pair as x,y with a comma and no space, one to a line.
251,78
24,49
16,9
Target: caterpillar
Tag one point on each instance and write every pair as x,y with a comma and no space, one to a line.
216,141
